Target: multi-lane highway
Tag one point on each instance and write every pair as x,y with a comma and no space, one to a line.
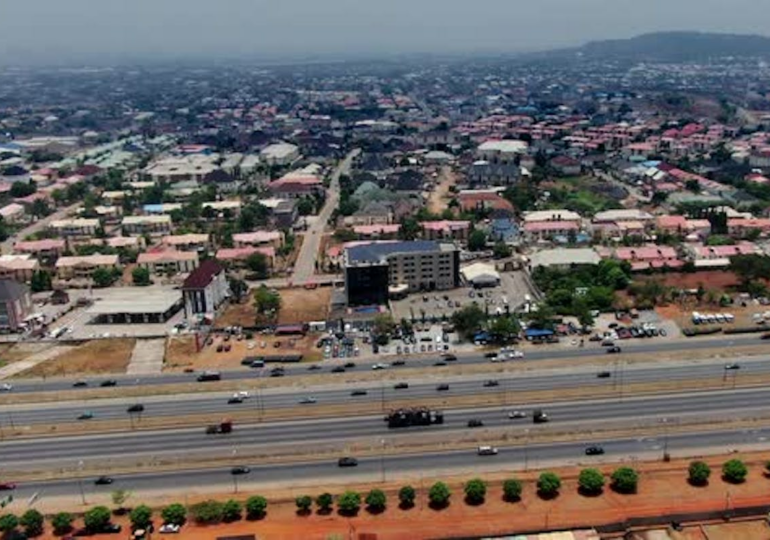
385,394
421,361
728,404
431,466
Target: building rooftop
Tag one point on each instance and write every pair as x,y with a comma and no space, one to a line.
564,256
507,146
375,252
203,275
134,300
11,290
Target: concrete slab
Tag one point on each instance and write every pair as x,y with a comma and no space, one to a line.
147,357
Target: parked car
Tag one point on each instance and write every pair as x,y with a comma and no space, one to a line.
170,528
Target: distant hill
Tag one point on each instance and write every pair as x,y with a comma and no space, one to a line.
677,47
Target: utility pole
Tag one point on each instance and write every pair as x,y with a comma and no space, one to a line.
80,482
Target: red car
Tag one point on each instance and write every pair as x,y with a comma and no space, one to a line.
5,486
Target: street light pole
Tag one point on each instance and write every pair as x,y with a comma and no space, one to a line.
382,460
526,449
665,439
80,482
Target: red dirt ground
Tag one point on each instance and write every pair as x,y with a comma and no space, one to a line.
662,489
710,279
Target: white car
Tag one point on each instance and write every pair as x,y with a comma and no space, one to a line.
487,451
6,387
243,394
309,400
515,354
517,414
379,366
170,528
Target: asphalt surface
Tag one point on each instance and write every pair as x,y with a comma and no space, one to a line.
377,468
652,346
385,393
182,443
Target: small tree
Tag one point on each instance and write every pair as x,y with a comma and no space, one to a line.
349,502
734,471
231,510
406,496
32,521
8,522
304,502
141,517
698,473
141,276
62,522
324,502
625,480
548,484
376,500
511,490
119,497
439,494
258,263
475,491
174,513
97,518
103,277
256,507
591,481
207,512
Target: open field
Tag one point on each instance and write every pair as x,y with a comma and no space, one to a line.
299,305
91,358
663,489
717,280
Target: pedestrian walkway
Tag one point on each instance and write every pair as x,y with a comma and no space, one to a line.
147,357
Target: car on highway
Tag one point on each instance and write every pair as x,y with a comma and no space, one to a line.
398,363
85,415
604,375
170,528
732,366
104,481
439,363
594,450
379,365
401,386
515,415
209,376
135,408
443,387
475,422
5,387
313,367
351,365
613,350
79,384
347,462
359,393
449,357
308,400
490,383
276,373
235,400
240,469
108,383
7,486
486,451
338,369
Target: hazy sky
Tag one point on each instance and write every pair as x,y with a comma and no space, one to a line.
54,31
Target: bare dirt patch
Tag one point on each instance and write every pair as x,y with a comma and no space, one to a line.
710,279
300,305
438,200
93,357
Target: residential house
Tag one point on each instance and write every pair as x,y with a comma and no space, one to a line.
295,186
193,167
446,230
83,268
503,227
15,305
152,225
13,213
473,200
649,257
740,227
47,250
719,256
279,154
75,228
168,262
226,209
501,151
566,166
680,226
373,213
205,289
484,173
187,242
225,182
258,238
377,232
237,257
18,267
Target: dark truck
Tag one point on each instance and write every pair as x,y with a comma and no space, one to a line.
419,416
225,426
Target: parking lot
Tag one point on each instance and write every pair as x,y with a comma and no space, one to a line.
440,305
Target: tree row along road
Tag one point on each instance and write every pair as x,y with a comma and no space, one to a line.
413,467
384,394
184,444
420,361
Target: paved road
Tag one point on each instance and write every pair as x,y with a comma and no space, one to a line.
386,394
183,443
304,268
39,225
377,468
638,346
